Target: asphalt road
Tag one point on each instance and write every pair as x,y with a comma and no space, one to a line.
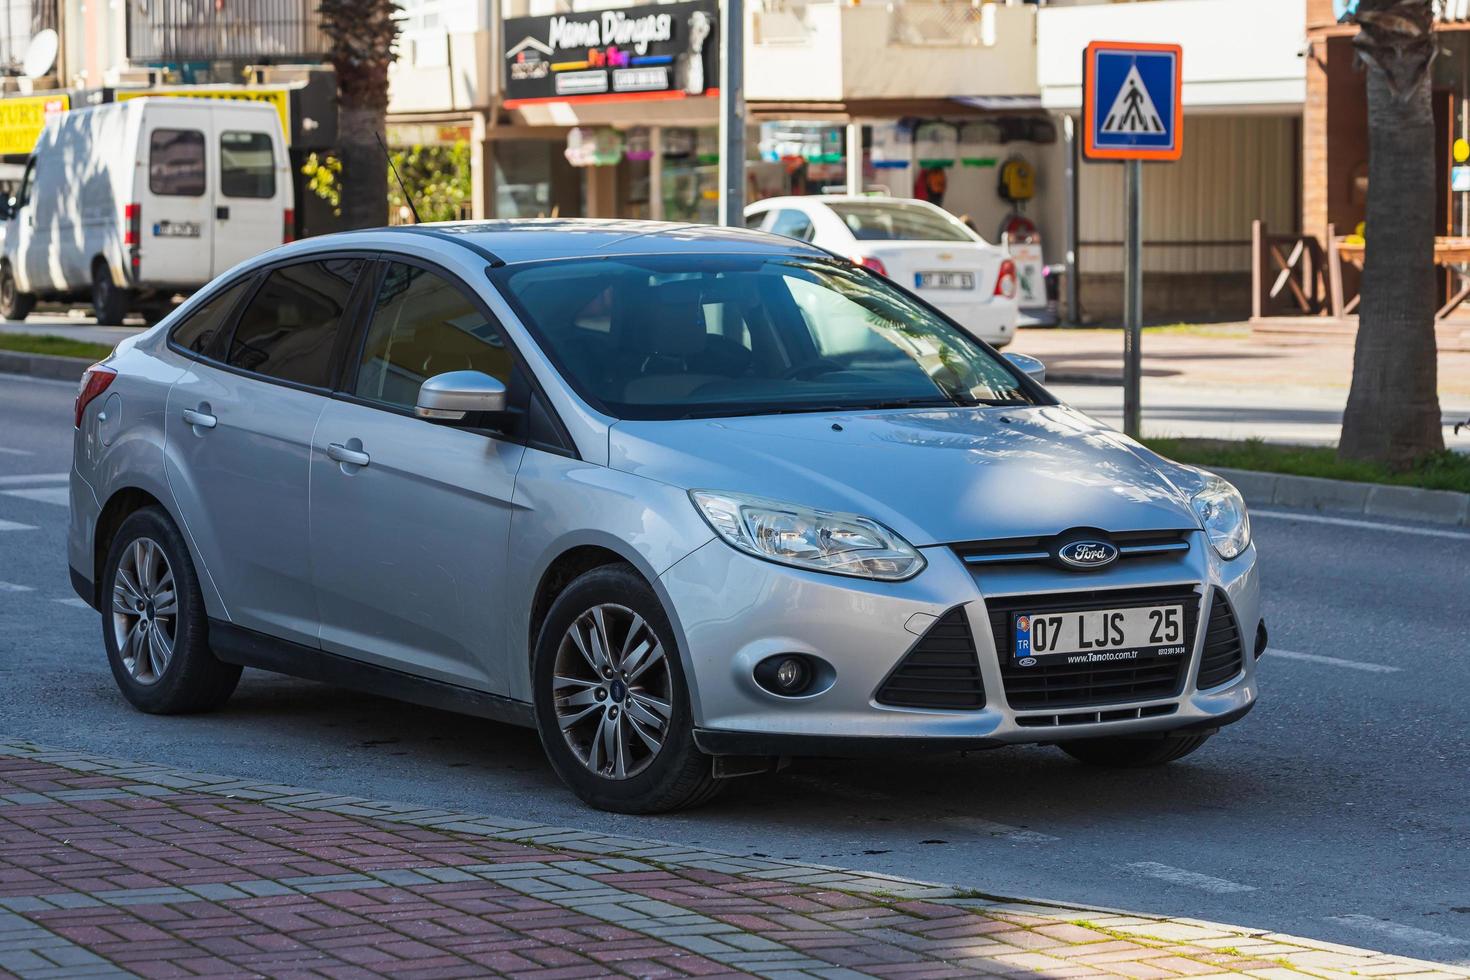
1340,809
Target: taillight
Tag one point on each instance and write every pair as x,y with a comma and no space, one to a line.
94,383
1005,283
133,231
288,227
868,262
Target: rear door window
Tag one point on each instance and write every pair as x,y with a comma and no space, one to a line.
202,333
247,164
424,324
793,224
176,162
289,329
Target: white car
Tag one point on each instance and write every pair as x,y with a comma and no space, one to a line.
921,247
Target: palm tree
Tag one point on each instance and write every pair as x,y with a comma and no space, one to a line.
1393,413
362,33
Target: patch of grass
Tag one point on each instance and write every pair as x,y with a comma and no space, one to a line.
26,343
1445,471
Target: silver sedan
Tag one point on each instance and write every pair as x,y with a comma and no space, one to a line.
690,501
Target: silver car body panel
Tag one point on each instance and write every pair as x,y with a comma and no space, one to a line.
428,560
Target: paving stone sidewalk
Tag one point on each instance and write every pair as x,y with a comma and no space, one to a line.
119,868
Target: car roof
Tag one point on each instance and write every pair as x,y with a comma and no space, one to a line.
531,240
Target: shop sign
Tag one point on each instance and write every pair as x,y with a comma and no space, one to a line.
22,119
936,144
278,98
667,50
893,145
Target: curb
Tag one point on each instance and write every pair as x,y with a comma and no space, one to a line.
44,365
1343,496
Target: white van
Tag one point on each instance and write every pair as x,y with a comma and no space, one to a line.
128,203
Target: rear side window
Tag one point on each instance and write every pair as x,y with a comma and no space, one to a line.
176,162
247,165
424,325
288,330
202,333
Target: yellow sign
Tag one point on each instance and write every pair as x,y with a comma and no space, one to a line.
22,119
278,97
1462,151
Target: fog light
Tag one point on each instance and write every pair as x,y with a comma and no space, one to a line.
786,674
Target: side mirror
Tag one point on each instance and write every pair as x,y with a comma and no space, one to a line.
454,394
7,209
1030,366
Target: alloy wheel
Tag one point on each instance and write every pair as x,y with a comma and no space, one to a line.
612,691
145,610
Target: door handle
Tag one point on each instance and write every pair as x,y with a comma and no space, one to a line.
352,457
201,419
222,214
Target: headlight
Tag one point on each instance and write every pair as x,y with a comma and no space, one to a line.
1221,511
843,544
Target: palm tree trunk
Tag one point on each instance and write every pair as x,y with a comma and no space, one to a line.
364,167
1393,413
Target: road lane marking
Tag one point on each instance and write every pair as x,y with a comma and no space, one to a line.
1189,879
1317,658
1396,930
74,601
22,479
46,495
12,587
13,526
15,452
989,828
1427,532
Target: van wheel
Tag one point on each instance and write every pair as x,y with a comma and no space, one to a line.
154,625
109,303
14,304
611,703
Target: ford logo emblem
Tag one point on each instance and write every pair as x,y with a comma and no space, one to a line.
1088,554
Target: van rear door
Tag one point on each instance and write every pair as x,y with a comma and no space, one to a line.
254,185
174,218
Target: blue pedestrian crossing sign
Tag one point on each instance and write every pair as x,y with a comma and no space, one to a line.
1131,101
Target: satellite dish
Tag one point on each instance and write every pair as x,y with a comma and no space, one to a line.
41,55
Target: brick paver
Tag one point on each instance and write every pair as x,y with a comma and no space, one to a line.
111,867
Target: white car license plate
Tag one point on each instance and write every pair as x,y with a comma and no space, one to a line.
944,280
1098,636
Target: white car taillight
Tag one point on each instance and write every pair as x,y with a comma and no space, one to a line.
1005,282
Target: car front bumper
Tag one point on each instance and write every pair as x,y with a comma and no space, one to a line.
733,611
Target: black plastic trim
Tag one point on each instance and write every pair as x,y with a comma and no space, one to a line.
237,645
83,587
720,742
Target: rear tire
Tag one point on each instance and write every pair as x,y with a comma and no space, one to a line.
109,303
14,304
1132,753
597,712
154,625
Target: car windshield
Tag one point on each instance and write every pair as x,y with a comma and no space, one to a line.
887,221
706,335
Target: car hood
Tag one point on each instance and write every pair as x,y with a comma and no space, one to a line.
934,476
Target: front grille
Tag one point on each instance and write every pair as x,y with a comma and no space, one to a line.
940,671
1063,685
1223,655
1039,550
1095,717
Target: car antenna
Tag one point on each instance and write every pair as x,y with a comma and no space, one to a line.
407,197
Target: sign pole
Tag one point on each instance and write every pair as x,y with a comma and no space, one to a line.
732,113
1133,301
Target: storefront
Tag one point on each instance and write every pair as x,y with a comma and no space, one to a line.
610,113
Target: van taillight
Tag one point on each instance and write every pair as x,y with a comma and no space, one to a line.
94,383
288,229
133,233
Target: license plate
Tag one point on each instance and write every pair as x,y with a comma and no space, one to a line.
1100,636
944,280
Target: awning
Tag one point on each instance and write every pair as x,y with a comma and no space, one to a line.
1006,103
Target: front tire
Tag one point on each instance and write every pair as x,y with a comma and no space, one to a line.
109,303
611,703
1118,752
154,625
14,304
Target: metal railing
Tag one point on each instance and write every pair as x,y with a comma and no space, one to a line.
258,31
21,20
